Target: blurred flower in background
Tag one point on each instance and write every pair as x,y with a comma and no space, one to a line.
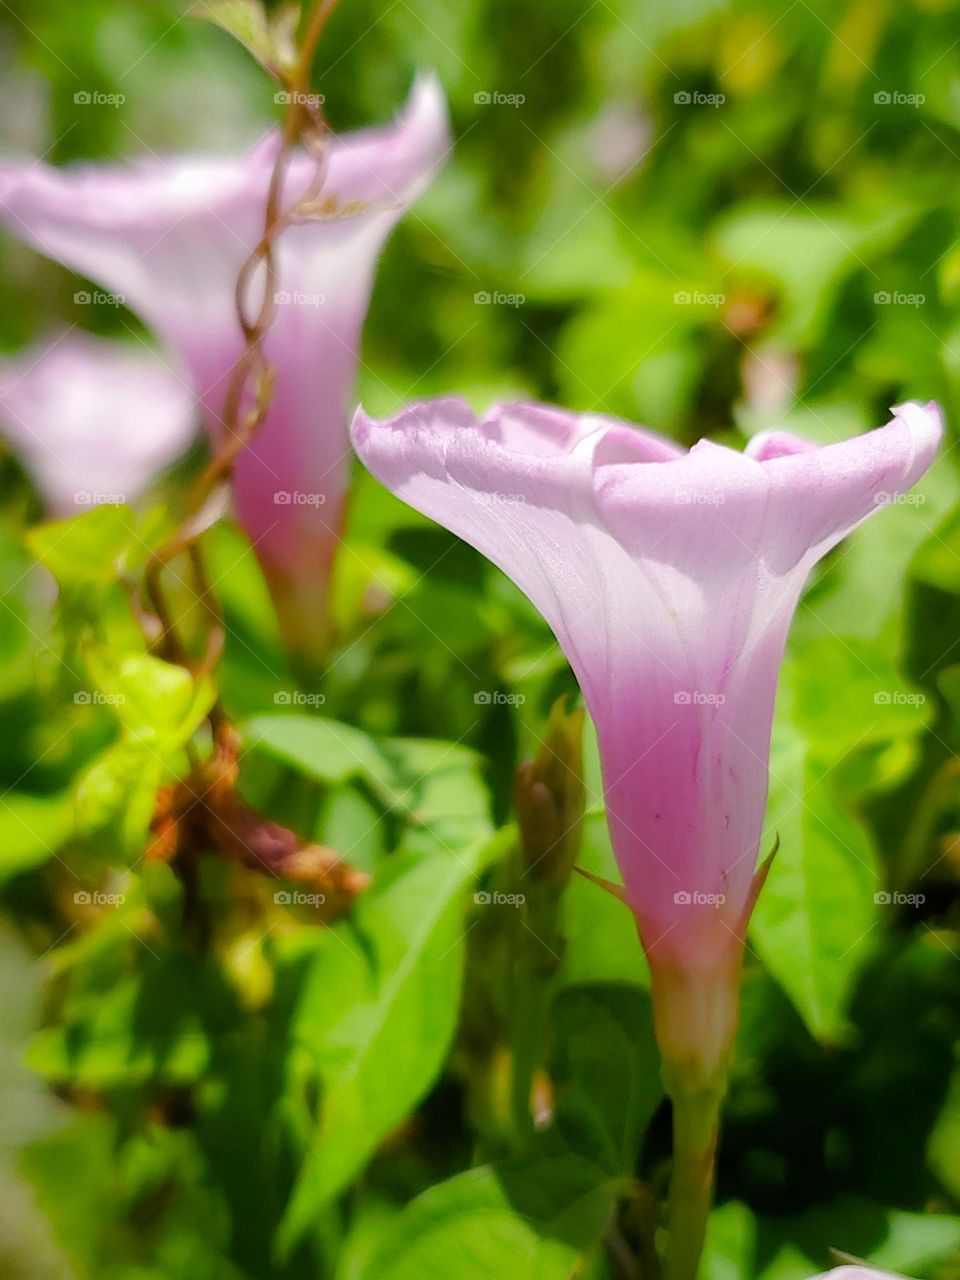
170,238
94,420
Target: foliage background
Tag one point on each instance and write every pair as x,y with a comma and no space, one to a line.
299,1102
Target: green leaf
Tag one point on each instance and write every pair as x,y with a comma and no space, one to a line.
90,550
794,1247
806,253
117,796
32,829
849,694
271,38
602,944
378,1011
528,1221
606,1072
816,912
443,791
153,1024
330,752
159,707
155,702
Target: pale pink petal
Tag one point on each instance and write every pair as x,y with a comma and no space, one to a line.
857,1273
93,420
776,444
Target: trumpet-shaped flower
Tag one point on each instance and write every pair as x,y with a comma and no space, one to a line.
93,420
669,578
169,238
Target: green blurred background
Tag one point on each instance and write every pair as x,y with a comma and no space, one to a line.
706,217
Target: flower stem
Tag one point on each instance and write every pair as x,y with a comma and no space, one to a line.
695,1003
696,1119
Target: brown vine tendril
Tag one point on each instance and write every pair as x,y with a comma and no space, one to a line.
304,124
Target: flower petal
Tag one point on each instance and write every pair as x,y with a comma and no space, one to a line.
94,420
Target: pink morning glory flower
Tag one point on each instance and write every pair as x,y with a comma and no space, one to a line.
669,578
93,420
168,237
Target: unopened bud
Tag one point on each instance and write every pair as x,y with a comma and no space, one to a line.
549,798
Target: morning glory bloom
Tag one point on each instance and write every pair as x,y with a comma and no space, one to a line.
169,236
93,420
669,578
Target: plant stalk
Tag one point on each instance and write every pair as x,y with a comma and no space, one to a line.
696,1122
